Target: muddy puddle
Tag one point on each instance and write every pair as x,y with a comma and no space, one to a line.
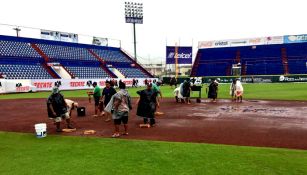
248,108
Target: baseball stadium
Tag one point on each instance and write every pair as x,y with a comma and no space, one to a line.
239,108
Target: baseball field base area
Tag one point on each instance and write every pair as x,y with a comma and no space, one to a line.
257,136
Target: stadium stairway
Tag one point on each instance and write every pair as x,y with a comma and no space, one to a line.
70,73
102,64
40,52
50,71
238,57
136,65
195,65
45,66
228,70
236,61
284,59
243,69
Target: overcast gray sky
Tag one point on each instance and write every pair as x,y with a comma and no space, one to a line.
172,21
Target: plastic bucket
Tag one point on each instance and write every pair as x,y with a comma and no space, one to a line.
41,130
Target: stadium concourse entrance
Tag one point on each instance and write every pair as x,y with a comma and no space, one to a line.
236,70
59,70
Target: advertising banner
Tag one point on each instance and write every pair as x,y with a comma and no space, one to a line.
59,36
205,44
217,44
243,42
2,84
13,86
76,84
68,37
50,35
261,79
295,38
184,55
100,41
247,79
275,40
222,43
257,41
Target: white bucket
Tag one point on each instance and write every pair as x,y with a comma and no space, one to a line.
41,130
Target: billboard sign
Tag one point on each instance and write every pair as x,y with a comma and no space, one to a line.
243,42
100,41
256,41
275,40
59,36
69,37
205,44
295,38
50,35
222,43
184,55
214,44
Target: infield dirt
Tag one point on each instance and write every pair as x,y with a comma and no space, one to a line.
280,124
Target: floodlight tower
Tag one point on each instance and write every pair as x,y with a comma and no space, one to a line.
134,15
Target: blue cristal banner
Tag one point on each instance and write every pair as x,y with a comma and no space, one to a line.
184,55
295,38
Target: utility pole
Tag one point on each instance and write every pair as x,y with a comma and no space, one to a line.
17,29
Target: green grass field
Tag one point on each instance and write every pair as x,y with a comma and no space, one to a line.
25,154
270,91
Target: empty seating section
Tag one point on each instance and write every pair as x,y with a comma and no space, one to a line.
261,52
262,60
17,49
216,62
19,71
132,73
19,60
214,69
259,60
297,58
264,67
218,54
297,66
65,52
84,69
111,55
87,72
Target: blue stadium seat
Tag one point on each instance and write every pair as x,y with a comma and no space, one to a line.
18,60
86,70
111,55
17,71
66,52
259,60
17,49
132,73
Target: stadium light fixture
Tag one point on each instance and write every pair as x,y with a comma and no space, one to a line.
134,15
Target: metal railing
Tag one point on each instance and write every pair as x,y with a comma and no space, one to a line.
32,32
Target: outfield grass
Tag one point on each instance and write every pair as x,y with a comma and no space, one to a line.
270,91
25,154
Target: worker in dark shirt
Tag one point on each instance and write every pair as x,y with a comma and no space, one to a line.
107,94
